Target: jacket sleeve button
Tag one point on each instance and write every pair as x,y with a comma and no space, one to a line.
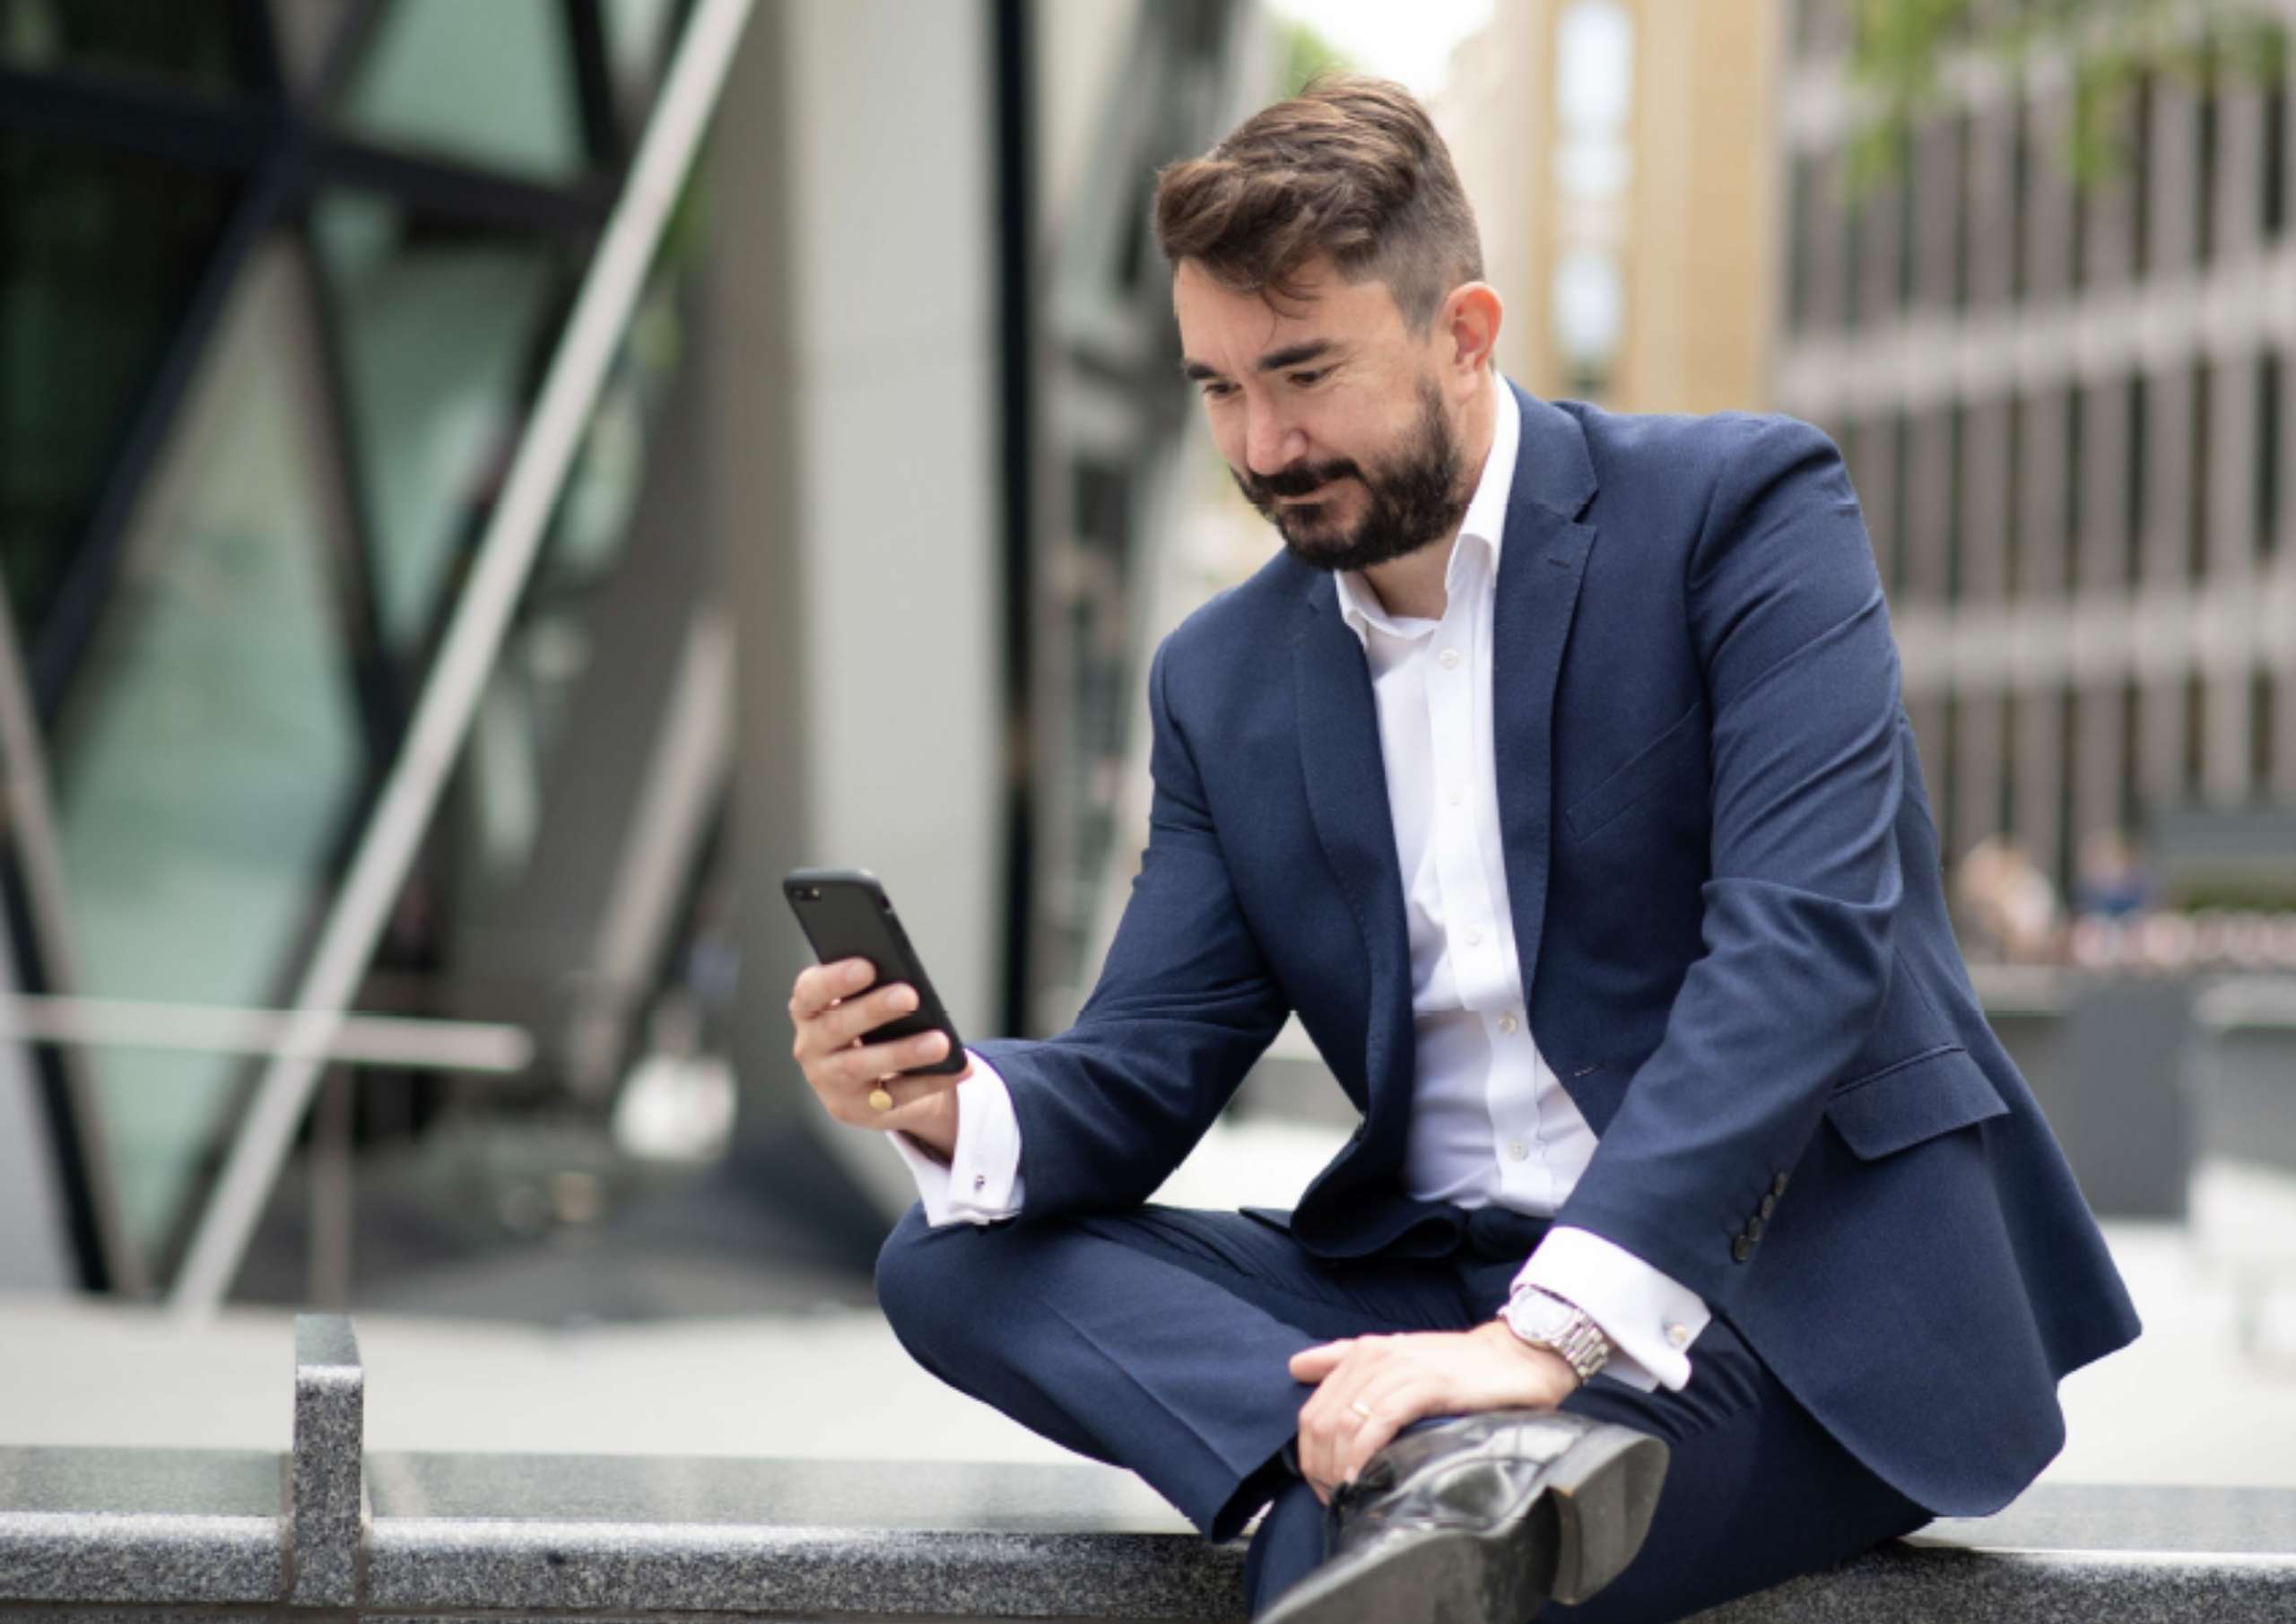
1777,1185
1741,1249
1768,1206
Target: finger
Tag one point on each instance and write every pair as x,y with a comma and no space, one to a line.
834,1029
1327,1421
903,1091
1402,1399
863,1066
820,985
1314,1364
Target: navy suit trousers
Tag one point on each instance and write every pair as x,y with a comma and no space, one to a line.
1157,1339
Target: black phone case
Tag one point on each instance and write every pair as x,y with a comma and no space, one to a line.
851,918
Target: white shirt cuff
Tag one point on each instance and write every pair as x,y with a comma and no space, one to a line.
982,1182
1649,1319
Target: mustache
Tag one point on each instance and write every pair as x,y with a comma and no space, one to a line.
1297,480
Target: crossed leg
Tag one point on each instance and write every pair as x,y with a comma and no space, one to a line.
1157,1339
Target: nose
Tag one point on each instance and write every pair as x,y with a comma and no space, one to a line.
1271,444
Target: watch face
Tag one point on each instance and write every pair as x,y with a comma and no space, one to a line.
1536,1316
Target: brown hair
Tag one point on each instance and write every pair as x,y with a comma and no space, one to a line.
1350,168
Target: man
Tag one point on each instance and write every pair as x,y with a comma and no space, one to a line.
1555,776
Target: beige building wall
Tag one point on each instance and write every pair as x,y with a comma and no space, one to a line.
1694,228
1495,113
1701,227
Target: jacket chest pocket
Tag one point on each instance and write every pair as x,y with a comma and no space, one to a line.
1675,756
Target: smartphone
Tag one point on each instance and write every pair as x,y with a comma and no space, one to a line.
846,914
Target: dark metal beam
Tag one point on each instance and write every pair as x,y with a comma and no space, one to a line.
70,626
255,48
585,35
196,131
352,564
1014,158
463,192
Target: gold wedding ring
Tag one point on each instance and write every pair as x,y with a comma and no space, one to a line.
1361,1408
880,1101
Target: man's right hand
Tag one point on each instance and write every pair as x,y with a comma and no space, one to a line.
831,1014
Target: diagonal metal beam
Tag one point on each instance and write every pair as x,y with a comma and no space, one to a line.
474,639
39,858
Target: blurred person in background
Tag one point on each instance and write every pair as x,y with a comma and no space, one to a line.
2005,907
2111,879
1555,773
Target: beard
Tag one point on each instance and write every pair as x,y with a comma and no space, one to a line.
1416,498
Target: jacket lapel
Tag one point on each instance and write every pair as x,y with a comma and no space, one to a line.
1347,798
1541,566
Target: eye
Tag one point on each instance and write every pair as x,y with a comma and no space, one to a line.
1302,379
1218,391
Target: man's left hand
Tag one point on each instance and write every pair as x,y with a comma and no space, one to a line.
1402,1379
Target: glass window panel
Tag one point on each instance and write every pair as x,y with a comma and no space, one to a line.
527,707
186,47
209,750
492,83
439,331
100,253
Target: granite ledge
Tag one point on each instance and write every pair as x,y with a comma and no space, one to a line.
1993,1586
141,1557
420,1565
158,1525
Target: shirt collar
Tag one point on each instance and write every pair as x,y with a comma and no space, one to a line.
1479,531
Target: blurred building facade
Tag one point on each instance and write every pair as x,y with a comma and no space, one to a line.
283,287
1607,147
834,568
2067,410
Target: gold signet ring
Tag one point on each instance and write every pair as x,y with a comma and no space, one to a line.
880,1101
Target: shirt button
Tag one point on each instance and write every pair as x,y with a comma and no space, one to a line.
1474,938
1508,1023
1679,1335
1456,796
980,1181
1450,658
1516,1151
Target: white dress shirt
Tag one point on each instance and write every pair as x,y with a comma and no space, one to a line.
1490,1122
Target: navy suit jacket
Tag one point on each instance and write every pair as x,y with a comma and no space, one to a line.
1731,921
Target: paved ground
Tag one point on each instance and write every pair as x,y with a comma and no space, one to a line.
2184,1405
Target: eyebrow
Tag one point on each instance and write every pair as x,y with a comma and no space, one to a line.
1274,360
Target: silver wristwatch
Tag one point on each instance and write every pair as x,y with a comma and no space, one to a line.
1544,1320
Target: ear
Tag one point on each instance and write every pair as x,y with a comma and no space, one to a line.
1469,324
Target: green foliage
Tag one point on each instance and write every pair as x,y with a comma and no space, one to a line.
1900,50
1305,54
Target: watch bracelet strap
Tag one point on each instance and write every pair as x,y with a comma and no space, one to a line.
1581,1344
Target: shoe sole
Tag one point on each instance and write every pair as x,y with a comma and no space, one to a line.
1598,1494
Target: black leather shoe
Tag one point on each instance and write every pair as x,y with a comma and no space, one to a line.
1482,1520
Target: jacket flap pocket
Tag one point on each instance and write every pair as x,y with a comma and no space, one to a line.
1913,1101
1643,771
